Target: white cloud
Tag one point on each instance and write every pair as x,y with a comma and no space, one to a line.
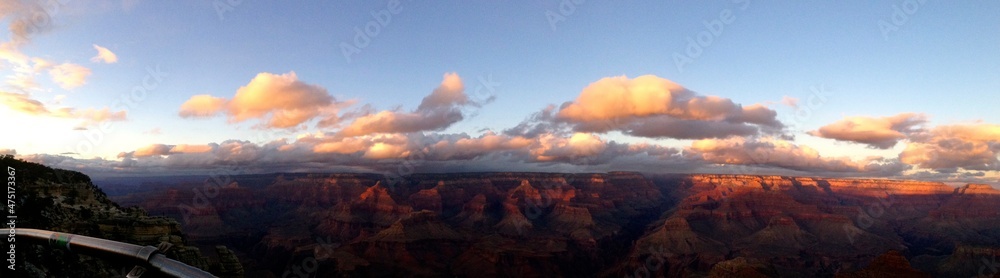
104,55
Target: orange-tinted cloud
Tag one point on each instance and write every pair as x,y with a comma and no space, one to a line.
437,111
201,106
946,148
69,75
551,147
89,117
151,150
345,145
279,101
650,106
882,133
784,154
184,148
373,152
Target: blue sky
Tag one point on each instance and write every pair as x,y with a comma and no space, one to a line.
942,62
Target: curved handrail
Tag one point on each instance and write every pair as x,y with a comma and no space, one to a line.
146,255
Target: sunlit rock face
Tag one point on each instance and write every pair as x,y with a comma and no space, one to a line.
817,227
594,224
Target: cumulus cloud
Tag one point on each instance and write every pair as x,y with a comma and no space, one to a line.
69,76
949,147
104,55
89,117
277,100
881,133
650,106
437,111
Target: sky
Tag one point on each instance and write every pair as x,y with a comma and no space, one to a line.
891,89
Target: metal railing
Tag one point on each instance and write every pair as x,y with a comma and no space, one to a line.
144,256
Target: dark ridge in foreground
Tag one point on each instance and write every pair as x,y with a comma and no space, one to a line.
67,201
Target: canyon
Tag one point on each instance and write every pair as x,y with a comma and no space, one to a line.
583,224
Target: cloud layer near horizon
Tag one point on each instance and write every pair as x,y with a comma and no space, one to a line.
723,136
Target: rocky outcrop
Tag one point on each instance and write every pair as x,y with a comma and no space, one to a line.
743,267
513,223
473,214
67,201
892,264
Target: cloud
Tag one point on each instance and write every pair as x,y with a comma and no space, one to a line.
154,131
551,147
771,152
151,150
343,146
650,106
24,68
89,117
882,133
69,75
23,103
450,93
386,152
437,111
94,116
670,127
462,147
949,147
790,101
202,106
104,55
278,101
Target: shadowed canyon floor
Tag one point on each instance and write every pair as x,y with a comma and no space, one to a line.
610,224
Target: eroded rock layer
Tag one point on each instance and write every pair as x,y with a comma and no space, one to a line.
603,224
